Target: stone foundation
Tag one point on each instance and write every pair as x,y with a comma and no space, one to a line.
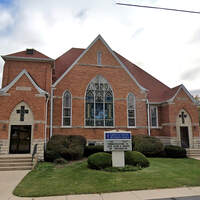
4,147
40,148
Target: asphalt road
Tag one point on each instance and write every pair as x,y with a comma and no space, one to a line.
181,198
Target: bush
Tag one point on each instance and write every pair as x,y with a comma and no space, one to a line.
136,158
60,161
99,160
89,150
74,152
70,147
51,155
127,168
173,151
148,145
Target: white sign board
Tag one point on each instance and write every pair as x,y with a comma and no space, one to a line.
117,141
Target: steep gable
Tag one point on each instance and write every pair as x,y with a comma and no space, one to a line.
98,43
17,78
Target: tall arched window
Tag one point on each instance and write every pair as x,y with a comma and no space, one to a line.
99,103
67,109
131,110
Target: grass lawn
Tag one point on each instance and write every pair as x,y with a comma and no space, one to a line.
49,180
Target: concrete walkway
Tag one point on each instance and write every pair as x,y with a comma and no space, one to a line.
9,179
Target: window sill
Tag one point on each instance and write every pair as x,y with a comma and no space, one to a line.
155,127
99,127
66,127
132,127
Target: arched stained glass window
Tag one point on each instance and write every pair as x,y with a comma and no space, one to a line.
99,103
67,109
131,110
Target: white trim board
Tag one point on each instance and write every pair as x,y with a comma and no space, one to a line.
23,72
99,37
186,91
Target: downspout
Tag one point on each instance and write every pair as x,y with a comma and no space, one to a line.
51,113
45,132
148,119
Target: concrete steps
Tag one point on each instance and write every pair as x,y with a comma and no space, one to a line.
193,152
15,162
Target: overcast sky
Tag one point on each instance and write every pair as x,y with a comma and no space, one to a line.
165,44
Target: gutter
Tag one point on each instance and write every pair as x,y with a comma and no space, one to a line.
51,114
148,118
45,132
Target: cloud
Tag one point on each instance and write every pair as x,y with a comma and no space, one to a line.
158,40
138,32
191,74
195,92
195,38
81,14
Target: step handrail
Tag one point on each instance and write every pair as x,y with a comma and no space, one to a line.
34,151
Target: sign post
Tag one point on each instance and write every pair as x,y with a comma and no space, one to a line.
117,142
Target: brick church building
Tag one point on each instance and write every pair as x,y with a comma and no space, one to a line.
85,92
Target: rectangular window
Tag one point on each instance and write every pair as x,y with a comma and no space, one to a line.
67,110
154,116
99,54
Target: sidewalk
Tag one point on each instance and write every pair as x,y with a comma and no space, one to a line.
132,195
9,179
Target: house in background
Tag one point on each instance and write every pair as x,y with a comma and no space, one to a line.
85,92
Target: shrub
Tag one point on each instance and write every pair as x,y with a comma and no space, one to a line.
89,150
173,151
51,155
148,145
99,160
127,168
60,161
136,158
73,152
70,147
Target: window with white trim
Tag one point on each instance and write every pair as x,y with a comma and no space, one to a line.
67,109
99,55
99,103
131,110
154,116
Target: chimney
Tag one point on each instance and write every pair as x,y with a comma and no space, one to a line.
29,51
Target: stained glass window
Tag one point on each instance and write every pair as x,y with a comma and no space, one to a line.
67,109
99,103
131,110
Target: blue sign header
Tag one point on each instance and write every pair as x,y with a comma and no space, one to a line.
117,136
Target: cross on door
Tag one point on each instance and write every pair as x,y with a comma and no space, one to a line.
183,116
22,112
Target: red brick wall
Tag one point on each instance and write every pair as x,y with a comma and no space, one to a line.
39,71
36,104
76,82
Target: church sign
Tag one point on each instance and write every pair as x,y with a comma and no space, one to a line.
117,141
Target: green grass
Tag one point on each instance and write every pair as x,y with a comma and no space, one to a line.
49,180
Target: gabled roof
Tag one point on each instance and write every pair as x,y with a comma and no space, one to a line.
36,54
23,72
65,61
157,91
113,54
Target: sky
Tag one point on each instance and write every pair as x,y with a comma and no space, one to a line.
163,43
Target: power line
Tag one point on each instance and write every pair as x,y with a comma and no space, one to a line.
159,8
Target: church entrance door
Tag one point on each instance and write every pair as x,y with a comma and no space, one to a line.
20,139
184,137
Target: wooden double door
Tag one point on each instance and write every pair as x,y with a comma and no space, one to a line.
20,139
